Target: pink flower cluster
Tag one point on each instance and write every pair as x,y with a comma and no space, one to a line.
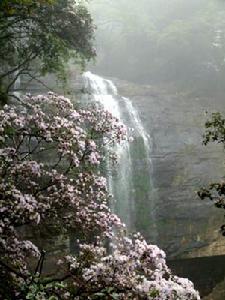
49,159
50,162
133,270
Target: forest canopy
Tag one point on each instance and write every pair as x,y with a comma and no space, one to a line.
38,37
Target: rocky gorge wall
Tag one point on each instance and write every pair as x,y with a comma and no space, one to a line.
186,226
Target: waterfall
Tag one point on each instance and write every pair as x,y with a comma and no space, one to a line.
130,182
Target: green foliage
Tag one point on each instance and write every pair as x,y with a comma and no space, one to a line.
39,37
11,8
107,293
215,129
154,294
37,289
215,132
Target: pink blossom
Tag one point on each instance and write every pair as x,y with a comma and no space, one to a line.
49,174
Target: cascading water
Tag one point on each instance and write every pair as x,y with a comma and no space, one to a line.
130,181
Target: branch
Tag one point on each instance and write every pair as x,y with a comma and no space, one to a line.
11,270
30,152
19,100
15,97
14,80
40,81
40,264
58,162
65,277
27,60
70,167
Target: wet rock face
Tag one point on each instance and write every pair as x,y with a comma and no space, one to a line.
186,226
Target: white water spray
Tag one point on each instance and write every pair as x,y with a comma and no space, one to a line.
129,182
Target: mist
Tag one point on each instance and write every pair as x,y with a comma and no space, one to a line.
176,44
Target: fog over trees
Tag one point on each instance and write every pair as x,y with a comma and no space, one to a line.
179,44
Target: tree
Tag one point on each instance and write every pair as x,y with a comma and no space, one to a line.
50,160
37,37
215,132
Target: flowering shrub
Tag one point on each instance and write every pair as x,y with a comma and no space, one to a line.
50,162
